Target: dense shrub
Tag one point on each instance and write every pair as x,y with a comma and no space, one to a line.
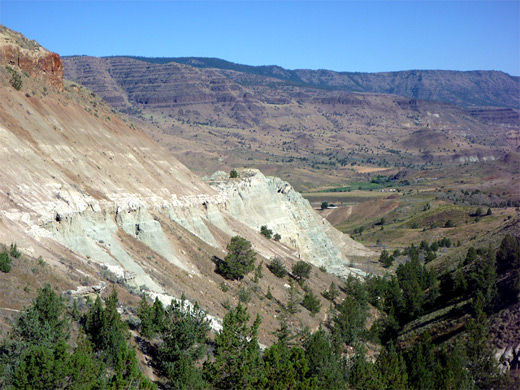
16,78
14,252
266,232
5,262
233,174
277,268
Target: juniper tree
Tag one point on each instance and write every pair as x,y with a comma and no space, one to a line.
301,270
240,259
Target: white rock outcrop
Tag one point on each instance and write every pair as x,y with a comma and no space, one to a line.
257,200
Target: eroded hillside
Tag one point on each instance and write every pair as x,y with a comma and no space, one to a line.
94,196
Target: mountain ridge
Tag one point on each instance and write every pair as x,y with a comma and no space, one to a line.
472,88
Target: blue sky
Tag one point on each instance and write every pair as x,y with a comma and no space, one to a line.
360,36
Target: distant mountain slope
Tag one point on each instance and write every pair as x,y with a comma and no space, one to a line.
472,88
213,118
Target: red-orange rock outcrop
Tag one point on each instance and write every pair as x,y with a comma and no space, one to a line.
29,57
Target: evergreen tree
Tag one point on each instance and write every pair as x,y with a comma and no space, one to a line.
451,371
145,314
483,278
74,312
414,279
38,356
392,368
331,293
45,322
286,368
325,363
355,288
394,300
421,363
258,272
301,271
284,334
238,363
269,295
480,364
152,317
293,299
184,335
349,320
508,263
311,302
508,254
85,370
277,268
240,259
159,315
375,287
105,328
127,374
460,281
362,373
5,262
385,328
471,256
429,257
386,259
42,367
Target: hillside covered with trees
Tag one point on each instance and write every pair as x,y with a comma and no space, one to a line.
60,342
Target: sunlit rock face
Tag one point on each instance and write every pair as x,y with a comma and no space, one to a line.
256,200
29,57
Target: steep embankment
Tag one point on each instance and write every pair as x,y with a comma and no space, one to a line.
80,184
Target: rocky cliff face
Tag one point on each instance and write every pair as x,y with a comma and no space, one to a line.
257,200
30,57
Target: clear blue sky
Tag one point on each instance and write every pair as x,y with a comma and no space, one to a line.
361,36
